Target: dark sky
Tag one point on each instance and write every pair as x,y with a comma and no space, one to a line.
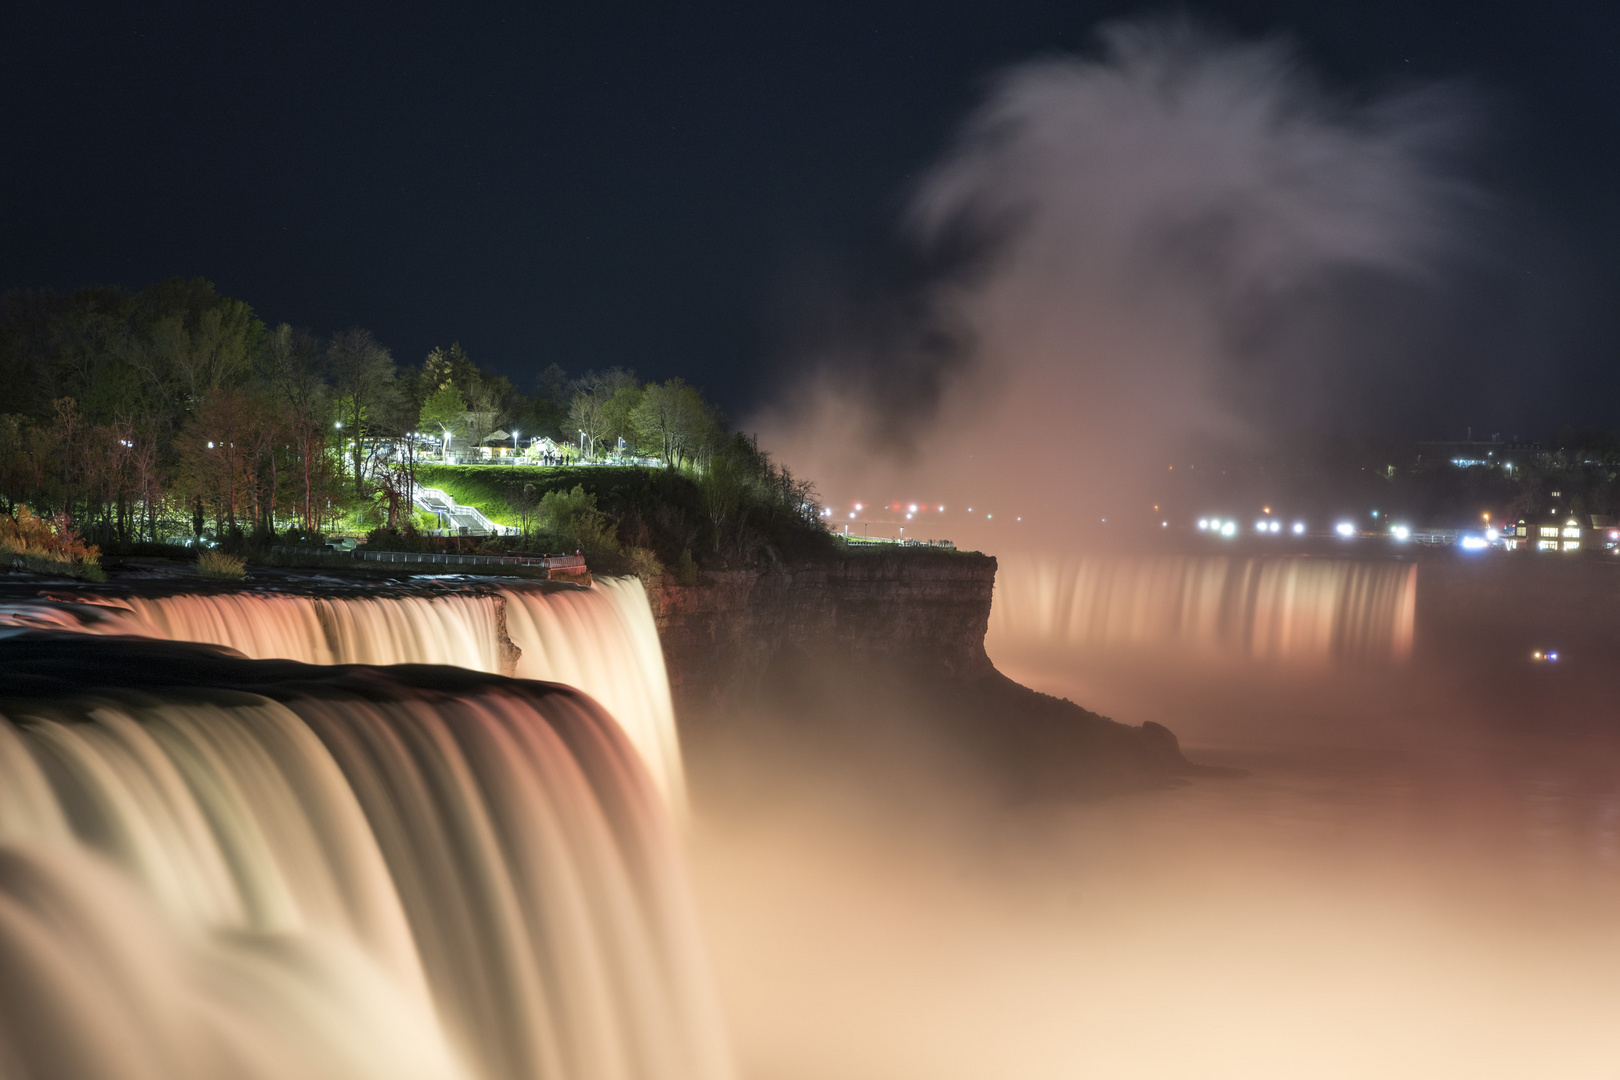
659,186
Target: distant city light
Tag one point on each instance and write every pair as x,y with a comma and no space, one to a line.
1261,527
908,517
1164,524
858,506
913,508
1401,532
1344,528
1203,523
1299,528
1229,529
852,513
1276,526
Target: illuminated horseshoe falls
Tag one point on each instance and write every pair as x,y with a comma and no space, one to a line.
1299,611
600,640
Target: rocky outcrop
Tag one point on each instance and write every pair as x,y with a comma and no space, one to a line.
917,608
867,650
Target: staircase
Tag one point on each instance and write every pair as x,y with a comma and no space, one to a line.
456,519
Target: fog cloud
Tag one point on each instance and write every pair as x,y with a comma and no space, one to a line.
1133,251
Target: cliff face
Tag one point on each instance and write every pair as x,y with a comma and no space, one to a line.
917,608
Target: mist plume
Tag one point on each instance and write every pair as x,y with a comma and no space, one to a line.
1130,252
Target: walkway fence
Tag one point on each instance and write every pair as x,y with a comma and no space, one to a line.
543,562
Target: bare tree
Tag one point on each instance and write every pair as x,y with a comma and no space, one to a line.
363,377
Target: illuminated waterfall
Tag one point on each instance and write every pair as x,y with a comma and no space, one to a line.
278,871
600,640
1296,610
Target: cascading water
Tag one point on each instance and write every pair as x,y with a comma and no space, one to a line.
1295,610
600,640
215,867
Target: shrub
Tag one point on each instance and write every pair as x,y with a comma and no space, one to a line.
48,546
214,563
573,517
645,565
686,570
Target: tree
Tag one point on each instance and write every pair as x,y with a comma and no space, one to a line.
290,362
446,411
673,420
363,376
589,418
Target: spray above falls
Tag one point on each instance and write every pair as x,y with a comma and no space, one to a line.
1124,255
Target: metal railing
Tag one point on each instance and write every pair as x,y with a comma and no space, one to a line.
548,562
545,562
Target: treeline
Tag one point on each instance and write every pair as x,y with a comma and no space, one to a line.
176,411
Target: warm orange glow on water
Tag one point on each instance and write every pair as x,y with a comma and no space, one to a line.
1418,878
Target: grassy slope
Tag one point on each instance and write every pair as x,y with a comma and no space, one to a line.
656,508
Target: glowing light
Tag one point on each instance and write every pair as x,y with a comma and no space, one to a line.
1203,523
1299,528
908,517
1261,527
1265,509
1474,543
1344,528
1164,524
942,509
1229,529
1552,656
858,506
1401,532
852,513
913,508
1492,534
1276,526
210,446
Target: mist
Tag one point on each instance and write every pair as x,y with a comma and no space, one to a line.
1123,260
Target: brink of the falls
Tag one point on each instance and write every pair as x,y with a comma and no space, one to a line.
600,640
217,866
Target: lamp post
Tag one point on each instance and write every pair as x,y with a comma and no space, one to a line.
514,442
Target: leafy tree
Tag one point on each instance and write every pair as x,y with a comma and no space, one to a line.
574,517
445,411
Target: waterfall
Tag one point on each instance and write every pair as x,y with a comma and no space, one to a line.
600,640
215,867
1294,610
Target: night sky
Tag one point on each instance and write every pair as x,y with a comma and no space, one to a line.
671,187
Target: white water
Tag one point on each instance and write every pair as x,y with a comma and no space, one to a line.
1296,610
600,640
403,884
